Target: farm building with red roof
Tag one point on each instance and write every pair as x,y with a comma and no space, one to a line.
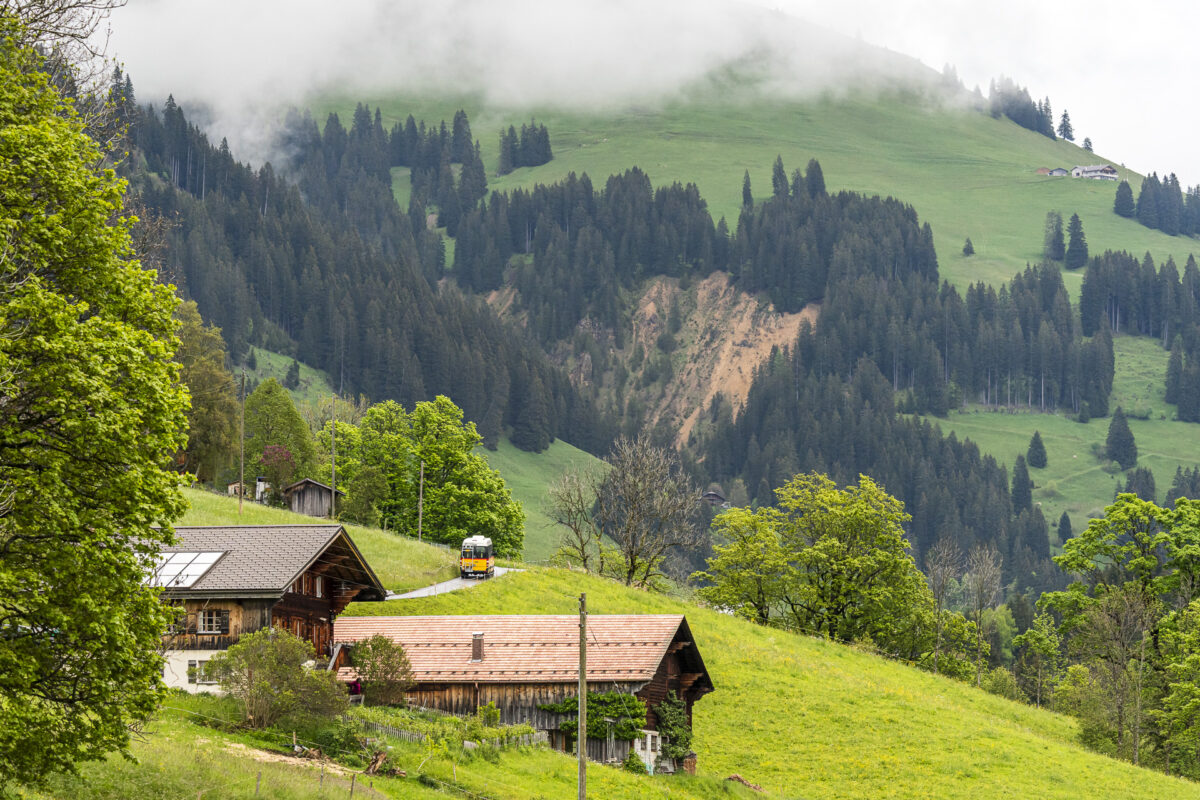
523,662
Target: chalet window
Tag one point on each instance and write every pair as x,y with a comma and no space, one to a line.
213,621
319,586
196,674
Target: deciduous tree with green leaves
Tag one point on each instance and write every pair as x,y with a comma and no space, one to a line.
1043,651
91,410
747,569
432,477
272,421
385,670
850,575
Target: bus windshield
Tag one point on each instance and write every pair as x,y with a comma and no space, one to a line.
476,552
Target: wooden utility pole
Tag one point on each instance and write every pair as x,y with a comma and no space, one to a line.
420,500
333,460
581,734
242,446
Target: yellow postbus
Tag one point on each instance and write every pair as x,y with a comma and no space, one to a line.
477,560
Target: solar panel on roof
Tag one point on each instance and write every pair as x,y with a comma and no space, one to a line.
181,570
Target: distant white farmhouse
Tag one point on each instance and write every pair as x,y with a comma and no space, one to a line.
1100,172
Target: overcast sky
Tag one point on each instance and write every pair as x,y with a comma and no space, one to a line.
1122,70
1125,71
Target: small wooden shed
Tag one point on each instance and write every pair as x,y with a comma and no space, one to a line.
310,497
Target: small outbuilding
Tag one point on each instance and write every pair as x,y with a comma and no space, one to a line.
311,497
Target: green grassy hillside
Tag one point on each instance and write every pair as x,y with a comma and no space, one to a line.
813,719
965,172
1076,479
314,384
177,758
528,475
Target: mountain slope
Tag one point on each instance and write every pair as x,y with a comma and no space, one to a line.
965,172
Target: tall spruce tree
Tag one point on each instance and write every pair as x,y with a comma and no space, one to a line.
1053,244
815,178
1140,481
1036,455
1123,205
1065,131
1120,446
747,195
1064,528
1022,487
1077,249
531,431
1087,143
779,181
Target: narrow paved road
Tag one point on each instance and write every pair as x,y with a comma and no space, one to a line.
448,586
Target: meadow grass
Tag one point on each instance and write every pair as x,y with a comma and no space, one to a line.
399,562
966,173
178,756
528,476
1075,479
810,718
314,384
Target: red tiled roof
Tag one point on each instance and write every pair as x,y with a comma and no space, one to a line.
523,649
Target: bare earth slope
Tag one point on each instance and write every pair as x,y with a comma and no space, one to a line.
725,336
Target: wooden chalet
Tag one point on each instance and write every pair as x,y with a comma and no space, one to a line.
239,579
310,497
521,662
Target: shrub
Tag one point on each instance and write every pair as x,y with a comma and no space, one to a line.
266,673
633,763
1002,682
628,711
384,669
673,724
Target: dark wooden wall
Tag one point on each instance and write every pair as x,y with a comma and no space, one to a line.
518,702
310,500
308,617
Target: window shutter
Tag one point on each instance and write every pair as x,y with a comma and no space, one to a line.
224,622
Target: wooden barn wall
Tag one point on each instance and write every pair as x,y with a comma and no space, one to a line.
245,616
311,500
665,680
518,702
310,618
607,750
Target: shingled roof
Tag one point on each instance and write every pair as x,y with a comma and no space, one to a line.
626,648
264,560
